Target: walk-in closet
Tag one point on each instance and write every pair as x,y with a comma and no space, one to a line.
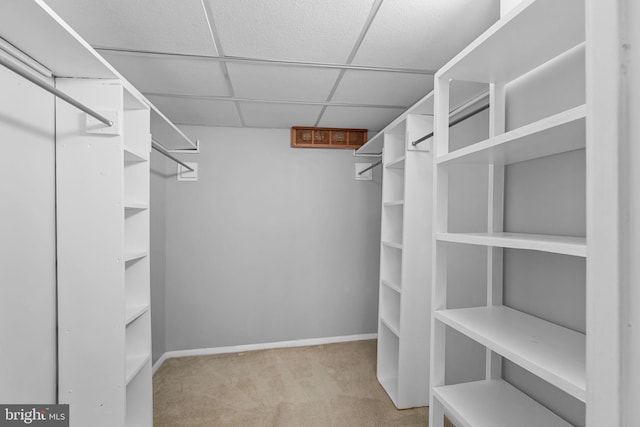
299,213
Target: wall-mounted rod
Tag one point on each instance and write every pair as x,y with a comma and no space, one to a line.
160,149
46,86
378,163
453,123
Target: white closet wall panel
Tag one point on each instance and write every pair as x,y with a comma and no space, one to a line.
27,243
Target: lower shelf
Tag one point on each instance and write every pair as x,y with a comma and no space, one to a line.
134,364
493,403
390,385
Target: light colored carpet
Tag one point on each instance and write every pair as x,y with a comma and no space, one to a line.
325,385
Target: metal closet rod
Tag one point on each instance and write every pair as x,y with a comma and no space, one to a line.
46,86
453,123
160,149
429,135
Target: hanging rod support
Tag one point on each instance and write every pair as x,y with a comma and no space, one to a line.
160,149
46,86
453,123
378,163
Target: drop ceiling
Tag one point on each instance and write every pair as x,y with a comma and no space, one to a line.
280,63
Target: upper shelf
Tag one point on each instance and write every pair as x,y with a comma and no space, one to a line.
552,352
57,47
553,135
535,32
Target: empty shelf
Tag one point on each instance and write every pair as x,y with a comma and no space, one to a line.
390,385
135,206
134,364
133,312
396,164
576,246
133,255
552,352
392,245
494,403
133,156
394,203
542,28
393,328
392,286
553,135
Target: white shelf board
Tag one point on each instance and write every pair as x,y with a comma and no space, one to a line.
134,254
534,32
135,206
494,403
372,146
559,133
133,156
552,352
133,312
391,286
396,164
134,364
392,245
394,203
168,134
390,385
568,245
389,324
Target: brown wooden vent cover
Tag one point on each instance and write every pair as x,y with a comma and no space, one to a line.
308,137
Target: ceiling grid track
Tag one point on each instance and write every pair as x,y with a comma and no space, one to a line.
216,40
282,62
354,51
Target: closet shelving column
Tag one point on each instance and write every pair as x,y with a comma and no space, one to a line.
544,29
403,332
102,184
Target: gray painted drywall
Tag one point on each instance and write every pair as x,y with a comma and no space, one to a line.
157,254
271,244
546,195
27,243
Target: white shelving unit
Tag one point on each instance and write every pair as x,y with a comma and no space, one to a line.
544,29
102,214
403,331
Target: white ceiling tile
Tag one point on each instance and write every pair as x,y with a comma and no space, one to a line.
382,88
148,25
281,82
302,30
424,34
370,118
203,112
171,74
270,115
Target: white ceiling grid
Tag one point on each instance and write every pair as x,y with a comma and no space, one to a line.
280,63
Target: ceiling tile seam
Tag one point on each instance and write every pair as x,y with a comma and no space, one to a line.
365,28
273,101
275,62
216,37
248,126
206,17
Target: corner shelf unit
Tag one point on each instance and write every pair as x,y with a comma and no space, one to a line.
549,351
102,216
403,330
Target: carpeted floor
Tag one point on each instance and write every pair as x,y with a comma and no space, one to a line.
325,385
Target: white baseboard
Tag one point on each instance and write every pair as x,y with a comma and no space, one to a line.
262,346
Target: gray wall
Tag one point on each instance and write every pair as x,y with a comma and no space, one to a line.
27,243
157,253
271,244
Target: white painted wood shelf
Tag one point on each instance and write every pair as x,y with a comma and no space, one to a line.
134,365
132,155
556,134
394,203
132,312
134,255
392,245
542,28
131,206
396,163
391,285
567,245
552,352
494,403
